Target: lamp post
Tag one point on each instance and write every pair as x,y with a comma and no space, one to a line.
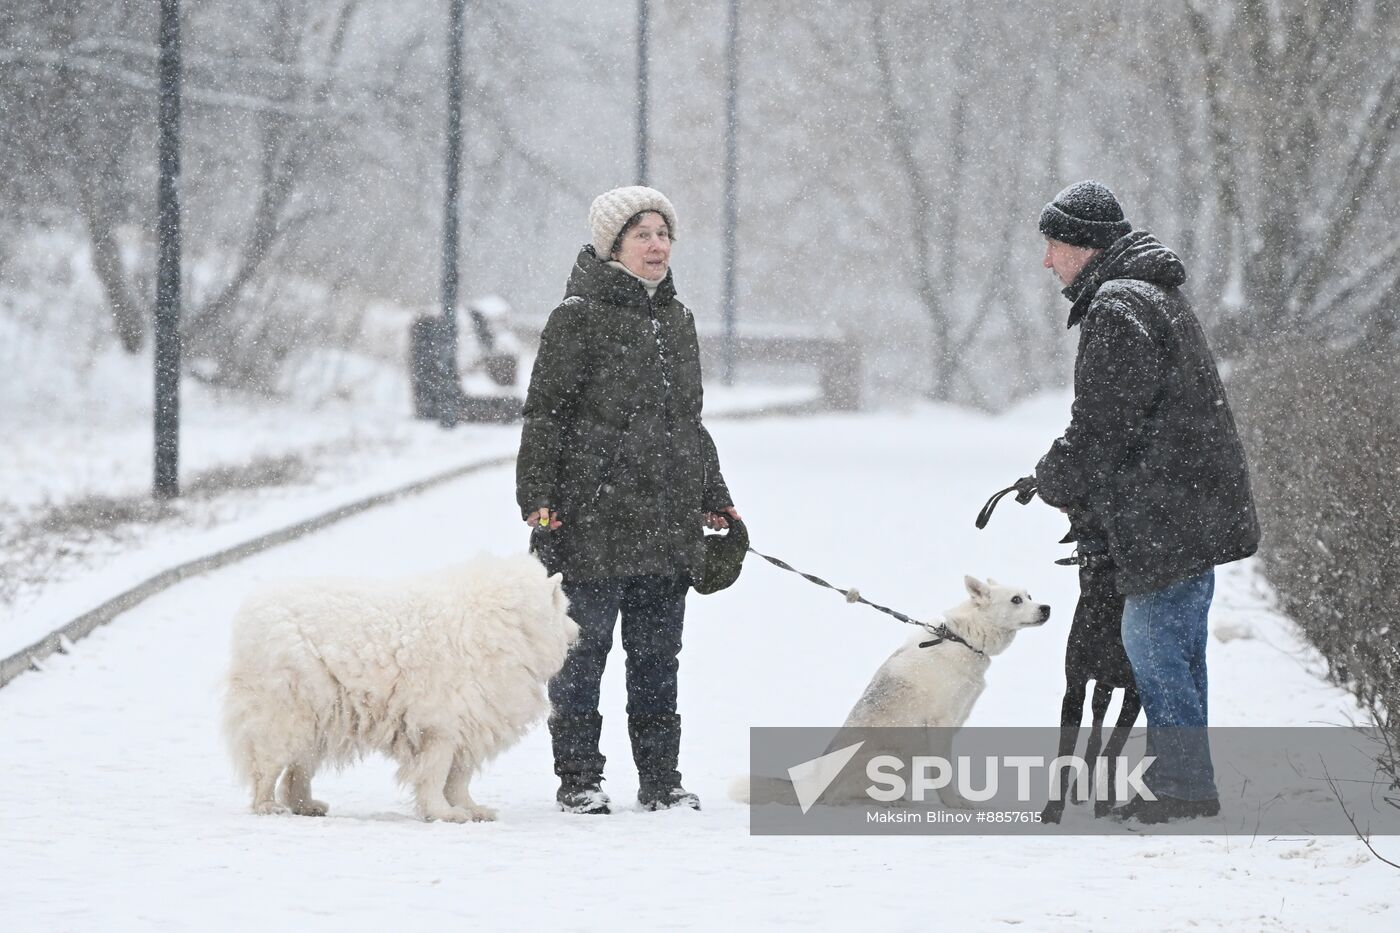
166,483
642,14
731,181
456,16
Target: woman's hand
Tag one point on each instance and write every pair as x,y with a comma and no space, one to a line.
720,520
543,518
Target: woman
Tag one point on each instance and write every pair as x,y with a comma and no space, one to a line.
615,475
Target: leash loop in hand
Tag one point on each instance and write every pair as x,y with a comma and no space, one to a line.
1024,489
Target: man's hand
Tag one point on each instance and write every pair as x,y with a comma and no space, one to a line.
720,520
543,518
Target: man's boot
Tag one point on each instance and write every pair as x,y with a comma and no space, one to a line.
579,763
656,744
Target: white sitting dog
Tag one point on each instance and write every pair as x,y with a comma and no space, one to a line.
439,672
930,685
936,686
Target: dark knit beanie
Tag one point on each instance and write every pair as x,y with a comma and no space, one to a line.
1085,214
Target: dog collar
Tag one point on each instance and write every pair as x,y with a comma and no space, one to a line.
942,633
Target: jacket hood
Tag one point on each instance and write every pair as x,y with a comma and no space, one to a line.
592,278
1138,255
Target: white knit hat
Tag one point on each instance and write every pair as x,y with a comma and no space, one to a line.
612,209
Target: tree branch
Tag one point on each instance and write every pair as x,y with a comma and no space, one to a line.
1226,169
107,263
1365,840
1387,263
1386,294
901,141
193,94
1369,153
282,164
91,164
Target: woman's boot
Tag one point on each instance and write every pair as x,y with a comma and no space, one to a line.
656,745
579,763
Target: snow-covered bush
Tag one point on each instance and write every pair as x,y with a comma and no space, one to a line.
1323,432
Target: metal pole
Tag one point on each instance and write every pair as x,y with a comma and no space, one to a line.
454,171
167,324
642,92
731,180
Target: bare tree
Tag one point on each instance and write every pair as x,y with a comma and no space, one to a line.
92,67
1303,110
924,214
98,121
312,150
305,45
893,156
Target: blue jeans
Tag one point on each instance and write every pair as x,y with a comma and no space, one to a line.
1165,634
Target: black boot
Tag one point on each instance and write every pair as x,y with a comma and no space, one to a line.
582,794
1166,809
656,744
663,797
579,763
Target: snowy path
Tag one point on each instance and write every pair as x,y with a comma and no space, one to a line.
118,809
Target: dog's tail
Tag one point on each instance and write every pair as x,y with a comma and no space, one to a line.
238,736
760,790
262,729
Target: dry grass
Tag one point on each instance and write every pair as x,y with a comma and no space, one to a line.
58,540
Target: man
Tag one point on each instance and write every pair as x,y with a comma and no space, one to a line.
1152,457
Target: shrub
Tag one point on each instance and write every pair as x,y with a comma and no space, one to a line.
1322,427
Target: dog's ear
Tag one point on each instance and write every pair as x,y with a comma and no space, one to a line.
991,581
978,590
561,602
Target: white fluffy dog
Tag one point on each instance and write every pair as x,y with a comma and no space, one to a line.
929,685
439,672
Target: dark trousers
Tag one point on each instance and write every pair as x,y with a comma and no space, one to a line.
652,610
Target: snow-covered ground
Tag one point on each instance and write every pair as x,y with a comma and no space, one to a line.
118,809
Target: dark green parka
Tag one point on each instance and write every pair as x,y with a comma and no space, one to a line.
613,440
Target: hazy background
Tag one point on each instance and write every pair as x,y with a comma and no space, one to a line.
893,159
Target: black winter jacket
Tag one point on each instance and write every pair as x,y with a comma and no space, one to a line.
613,439
1151,452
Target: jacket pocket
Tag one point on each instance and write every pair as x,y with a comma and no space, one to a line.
588,462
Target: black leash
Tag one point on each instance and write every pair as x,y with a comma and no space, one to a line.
940,632
1024,489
